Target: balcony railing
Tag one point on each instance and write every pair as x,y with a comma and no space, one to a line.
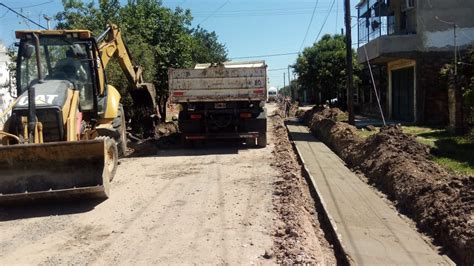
375,19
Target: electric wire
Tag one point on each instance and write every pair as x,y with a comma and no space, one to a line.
23,16
213,13
309,25
267,55
374,86
325,20
35,5
277,69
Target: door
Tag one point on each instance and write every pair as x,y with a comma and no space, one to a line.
403,94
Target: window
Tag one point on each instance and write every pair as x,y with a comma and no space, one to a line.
410,4
61,59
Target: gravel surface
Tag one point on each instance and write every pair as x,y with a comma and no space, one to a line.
211,205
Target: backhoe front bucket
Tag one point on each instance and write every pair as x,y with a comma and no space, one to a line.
53,170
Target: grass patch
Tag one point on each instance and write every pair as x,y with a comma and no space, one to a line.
364,133
452,152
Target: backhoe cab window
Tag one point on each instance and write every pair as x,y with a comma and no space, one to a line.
61,59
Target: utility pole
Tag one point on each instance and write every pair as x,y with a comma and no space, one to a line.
455,54
284,80
289,82
350,89
456,120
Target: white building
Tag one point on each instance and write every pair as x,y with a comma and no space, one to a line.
5,98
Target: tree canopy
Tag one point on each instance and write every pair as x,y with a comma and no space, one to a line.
157,37
321,68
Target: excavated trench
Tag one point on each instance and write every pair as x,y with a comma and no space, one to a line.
301,237
440,202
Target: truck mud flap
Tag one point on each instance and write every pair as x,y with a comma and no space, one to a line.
58,170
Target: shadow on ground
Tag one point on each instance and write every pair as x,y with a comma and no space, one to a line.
47,208
173,145
457,148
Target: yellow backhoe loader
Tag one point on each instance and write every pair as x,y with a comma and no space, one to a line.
67,126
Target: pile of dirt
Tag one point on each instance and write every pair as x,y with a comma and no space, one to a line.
165,129
299,239
440,202
339,136
166,136
334,114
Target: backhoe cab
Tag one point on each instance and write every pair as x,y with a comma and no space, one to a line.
67,125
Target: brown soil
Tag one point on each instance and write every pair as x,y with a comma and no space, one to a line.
299,239
440,202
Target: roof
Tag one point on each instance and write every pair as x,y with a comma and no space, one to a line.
84,33
234,64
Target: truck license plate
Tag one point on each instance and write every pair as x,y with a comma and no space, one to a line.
219,105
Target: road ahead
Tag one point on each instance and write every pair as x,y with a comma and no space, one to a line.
208,205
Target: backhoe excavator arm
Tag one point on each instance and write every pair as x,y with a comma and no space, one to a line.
111,44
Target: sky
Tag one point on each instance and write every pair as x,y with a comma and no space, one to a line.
247,27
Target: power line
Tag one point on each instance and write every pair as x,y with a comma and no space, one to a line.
259,14
325,20
309,25
21,15
215,11
277,69
40,4
259,56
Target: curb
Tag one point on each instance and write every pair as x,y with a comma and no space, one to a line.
329,222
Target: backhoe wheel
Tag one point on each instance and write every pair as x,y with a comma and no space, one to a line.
262,140
120,126
111,157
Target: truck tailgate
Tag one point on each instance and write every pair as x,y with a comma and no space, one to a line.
217,84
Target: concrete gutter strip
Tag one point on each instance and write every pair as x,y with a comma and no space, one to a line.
368,229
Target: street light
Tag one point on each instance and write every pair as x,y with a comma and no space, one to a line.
47,20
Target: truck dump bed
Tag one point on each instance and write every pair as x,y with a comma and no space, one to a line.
242,81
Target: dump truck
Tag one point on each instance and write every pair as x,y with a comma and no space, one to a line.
67,126
225,100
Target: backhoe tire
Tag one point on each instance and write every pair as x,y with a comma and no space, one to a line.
262,141
111,157
120,126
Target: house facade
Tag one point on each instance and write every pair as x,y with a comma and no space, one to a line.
407,42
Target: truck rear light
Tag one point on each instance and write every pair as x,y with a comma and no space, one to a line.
245,115
196,116
178,93
260,91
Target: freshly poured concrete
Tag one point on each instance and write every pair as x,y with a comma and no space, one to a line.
370,231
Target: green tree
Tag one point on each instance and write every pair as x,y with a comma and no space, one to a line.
206,47
157,37
321,68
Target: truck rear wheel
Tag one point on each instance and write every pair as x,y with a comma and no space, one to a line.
262,140
250,142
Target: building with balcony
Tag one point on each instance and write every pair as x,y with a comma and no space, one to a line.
407,42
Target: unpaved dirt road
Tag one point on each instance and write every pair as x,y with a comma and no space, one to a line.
208,205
